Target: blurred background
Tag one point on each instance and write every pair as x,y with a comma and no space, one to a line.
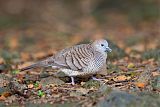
41,26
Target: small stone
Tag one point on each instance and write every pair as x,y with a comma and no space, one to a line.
119,99
156,83
51,80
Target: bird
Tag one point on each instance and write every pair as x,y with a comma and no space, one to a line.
78,60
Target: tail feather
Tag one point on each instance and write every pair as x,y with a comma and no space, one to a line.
45,63
29,67
38,64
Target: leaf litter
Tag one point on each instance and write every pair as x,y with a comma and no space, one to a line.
125,72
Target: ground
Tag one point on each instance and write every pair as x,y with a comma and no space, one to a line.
31,32
132,76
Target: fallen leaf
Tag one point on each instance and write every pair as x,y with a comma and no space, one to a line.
123,68
82,83
38,87
2,98
30,86
121,78
130,65
155,74
6,94
15,71
145,62
140,84
20,77
36,84
41,93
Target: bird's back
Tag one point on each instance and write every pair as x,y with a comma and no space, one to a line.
74,58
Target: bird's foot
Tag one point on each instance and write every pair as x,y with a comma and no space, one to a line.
55,67
72,79
97,79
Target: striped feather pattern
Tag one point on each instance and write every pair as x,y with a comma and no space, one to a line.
75,58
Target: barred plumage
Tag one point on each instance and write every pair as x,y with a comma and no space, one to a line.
78,60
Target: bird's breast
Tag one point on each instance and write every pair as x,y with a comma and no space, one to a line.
97,64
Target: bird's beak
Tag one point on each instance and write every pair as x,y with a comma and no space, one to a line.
108,49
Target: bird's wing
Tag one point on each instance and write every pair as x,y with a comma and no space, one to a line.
75,58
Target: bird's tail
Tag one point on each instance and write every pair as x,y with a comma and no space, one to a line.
30,67
44,63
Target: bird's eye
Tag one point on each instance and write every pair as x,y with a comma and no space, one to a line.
102,44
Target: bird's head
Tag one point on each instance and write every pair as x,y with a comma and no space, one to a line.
101,46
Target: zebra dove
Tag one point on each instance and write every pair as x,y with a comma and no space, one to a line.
79,60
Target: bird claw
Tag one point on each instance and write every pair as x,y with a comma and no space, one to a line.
96,79
55,67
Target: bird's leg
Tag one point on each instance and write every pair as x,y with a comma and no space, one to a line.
72,79
96,79
55,67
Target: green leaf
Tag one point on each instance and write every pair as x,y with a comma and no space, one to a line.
36,84
40,93
15,71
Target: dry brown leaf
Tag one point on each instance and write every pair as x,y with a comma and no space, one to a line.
82,83
30,86
145,62
6,94
39,87
123,68
121,78
20,77
2,98
155,74
140,84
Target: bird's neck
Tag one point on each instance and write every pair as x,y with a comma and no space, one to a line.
104,54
